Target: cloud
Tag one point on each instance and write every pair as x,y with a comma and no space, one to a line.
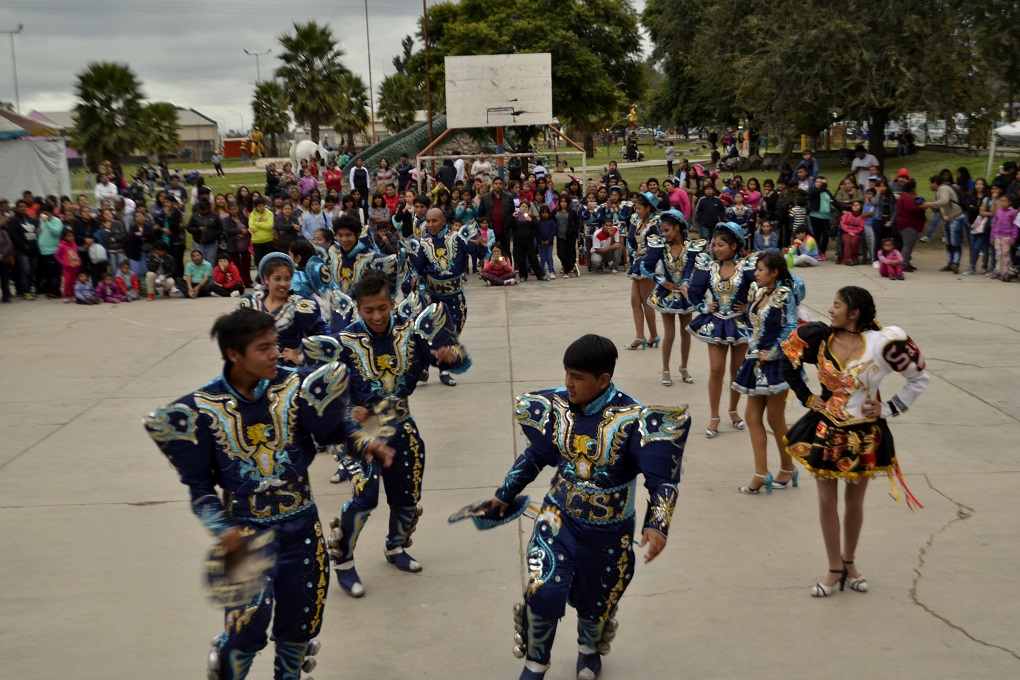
189,52
183,51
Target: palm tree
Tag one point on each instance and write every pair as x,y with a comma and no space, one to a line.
397,103
352,115
108,116
269,106
312,74
160,133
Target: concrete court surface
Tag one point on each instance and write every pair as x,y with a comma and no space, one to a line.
100,558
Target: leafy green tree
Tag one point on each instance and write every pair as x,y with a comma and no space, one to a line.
595,47
397,104
312,74
159,131
269,105
351,117
803,70
108,114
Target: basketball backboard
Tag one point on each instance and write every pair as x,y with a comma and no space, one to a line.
499,90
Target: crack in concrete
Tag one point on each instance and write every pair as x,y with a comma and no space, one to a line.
950,361
990,323
963,513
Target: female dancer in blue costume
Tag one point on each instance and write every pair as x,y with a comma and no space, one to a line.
296,317
669,262
771,316
720,324
643,224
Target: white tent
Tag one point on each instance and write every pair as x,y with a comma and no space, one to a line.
33,158
1007,133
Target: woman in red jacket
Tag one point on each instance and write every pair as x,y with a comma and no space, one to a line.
909,221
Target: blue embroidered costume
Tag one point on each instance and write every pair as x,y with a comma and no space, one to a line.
385,369
297,318
661,266
348,268
725,326
637,241
439,261
771,319
581,549
258,452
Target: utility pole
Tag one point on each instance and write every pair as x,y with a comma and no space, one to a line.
371,90
14,64
428,79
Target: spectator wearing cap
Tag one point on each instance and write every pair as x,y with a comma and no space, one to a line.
862,165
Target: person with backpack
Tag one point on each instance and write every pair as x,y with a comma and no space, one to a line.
950,206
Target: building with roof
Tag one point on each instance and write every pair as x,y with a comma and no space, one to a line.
200,135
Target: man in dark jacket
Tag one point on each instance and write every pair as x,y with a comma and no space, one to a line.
709,212
23,231
498,207
206,229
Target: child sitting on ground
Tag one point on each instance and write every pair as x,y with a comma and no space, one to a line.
108,291
890,261
84,291
226,277
497,270
804,251
127,281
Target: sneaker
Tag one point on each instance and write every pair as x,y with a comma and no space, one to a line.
235,294
992,275
214,294
488,283
821,257
340,475
969,272
350,583
150,297
551,277
28,296
924,239
545,278
613,271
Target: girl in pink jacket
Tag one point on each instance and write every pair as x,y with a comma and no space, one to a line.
70,262
851,224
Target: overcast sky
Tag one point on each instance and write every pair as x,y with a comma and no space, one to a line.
189,52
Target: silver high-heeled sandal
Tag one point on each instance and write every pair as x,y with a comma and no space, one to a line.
666,379
790,482
822,590
767,485
710,432
686,378
737,423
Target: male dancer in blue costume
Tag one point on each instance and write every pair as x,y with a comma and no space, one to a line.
253,431
598,438
350,258
385,353
439,258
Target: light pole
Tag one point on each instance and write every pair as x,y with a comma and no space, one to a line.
14,64
238,113
258,82
371,90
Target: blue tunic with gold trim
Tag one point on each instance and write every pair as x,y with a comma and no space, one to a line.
661,266
439,262
297,318
581,548
725,326
348,268
771,320
257,451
